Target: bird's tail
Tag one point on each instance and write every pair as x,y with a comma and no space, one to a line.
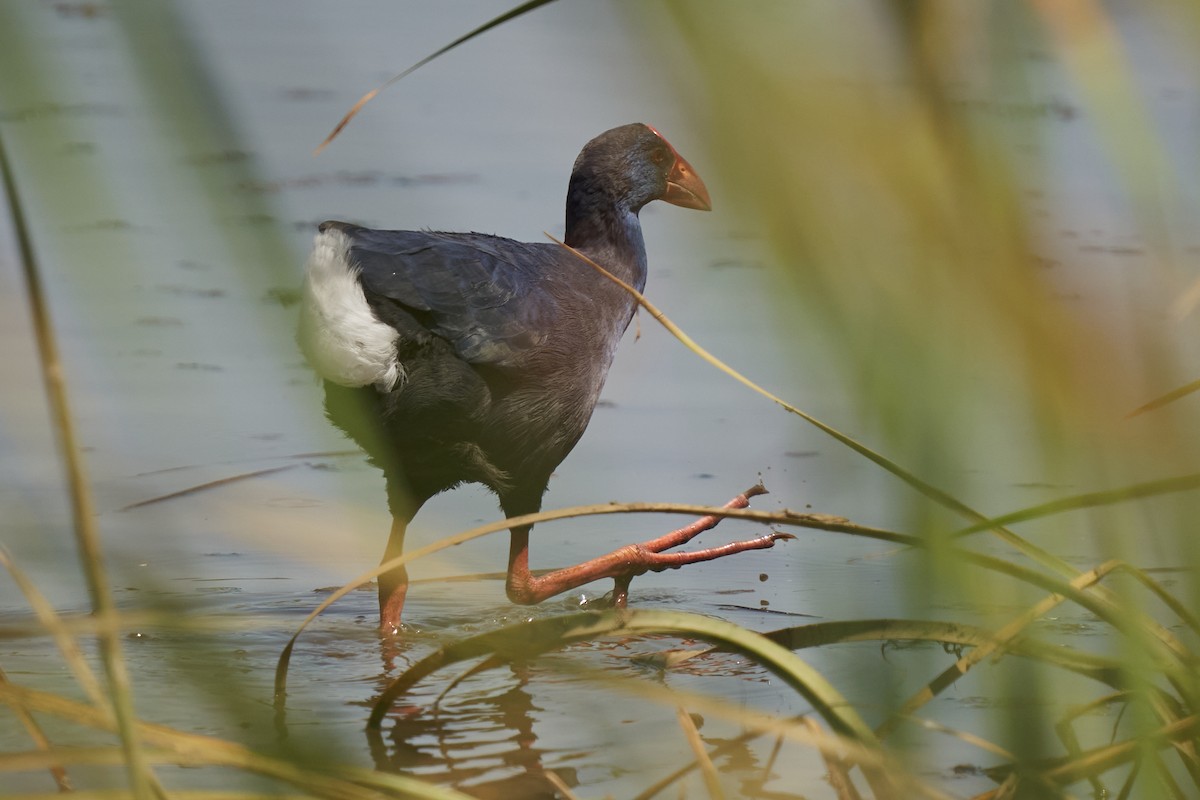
340,336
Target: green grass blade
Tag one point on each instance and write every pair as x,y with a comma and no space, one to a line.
999,642
178,747
1180,483
821,634
87,537
539,636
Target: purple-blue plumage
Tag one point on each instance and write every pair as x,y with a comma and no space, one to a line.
462,357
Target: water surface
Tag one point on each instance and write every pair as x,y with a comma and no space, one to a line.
170,245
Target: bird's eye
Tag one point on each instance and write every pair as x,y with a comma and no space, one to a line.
659,157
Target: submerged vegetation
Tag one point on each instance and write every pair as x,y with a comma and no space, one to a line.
908,166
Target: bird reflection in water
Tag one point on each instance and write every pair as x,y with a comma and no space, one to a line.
488,738
462,742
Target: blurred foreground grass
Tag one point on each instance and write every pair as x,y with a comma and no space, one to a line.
914,171
930,178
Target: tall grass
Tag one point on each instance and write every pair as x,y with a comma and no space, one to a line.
911,168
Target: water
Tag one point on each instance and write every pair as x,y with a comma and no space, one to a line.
182,373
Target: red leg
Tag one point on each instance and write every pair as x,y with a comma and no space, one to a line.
626,562
393,584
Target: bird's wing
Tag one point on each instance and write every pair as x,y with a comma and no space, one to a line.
483,294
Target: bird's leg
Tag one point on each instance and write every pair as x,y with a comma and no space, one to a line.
393,584
620,595
625,563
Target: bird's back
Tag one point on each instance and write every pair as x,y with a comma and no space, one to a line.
499,349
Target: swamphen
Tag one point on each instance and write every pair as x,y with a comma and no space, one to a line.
459,357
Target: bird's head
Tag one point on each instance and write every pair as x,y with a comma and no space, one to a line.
634,164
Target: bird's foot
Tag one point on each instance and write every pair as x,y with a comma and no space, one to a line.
620,593
626,563
649,561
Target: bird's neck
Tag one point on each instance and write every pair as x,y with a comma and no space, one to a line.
609,234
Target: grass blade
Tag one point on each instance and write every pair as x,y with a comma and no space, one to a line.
83,515
1096,667
982,651
838,774
1166,399
712,780
1043,557
512,13
1179,483
530,638
65,641
178,747
57,772
202,487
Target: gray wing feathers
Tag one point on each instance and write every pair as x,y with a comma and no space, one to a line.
482,294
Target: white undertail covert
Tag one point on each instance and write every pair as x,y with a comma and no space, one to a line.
339,335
